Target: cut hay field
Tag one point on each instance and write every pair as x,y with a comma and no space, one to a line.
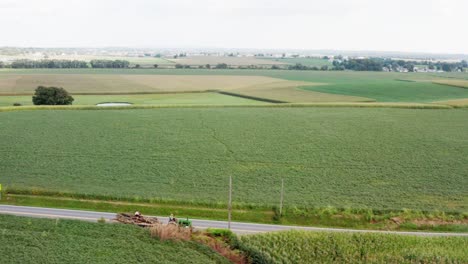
313,247
456,83
145,99
233,61
456,102
128,83
337,86
257,86
143,61
30,240
311,62
343,157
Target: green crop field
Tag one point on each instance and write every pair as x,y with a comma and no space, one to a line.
29,240
144,99
344,157
312,247
283,85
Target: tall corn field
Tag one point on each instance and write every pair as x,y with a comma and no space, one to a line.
313,247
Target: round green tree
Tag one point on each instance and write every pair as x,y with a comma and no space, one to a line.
51,96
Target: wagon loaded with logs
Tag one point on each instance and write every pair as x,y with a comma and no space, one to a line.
137,219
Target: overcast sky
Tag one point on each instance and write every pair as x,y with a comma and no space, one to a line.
390,25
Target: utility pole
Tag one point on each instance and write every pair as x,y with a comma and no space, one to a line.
281,197
230,202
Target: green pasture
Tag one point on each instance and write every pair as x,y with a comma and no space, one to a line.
344,157
30,240
144,99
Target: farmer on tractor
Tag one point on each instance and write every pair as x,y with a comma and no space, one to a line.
172,219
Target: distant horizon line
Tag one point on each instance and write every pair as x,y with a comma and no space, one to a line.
238,49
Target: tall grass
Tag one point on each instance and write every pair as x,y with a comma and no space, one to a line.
171,232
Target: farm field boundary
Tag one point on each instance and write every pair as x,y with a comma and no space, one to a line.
406,220
252,97
282,105
455,83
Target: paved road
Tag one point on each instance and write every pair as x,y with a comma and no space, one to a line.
240,228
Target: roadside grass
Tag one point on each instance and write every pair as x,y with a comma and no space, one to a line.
314,247
32,240
339,157
412,220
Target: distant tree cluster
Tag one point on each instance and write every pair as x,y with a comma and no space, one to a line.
182,66
379,64
52,64
2,64
109,63
180,55
300,67
371,64
397,65
51,96
221,66
207,66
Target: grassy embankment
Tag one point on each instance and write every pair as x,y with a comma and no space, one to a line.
29,240
391,161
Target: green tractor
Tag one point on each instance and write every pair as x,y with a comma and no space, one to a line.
185,223
180,222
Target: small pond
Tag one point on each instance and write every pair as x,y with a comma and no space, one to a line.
114,104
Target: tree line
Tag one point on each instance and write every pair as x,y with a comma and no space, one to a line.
380,64
65,64
109,63
28,64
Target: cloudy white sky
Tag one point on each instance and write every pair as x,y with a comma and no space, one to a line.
388,25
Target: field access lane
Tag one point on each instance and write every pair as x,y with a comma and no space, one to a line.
237,227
